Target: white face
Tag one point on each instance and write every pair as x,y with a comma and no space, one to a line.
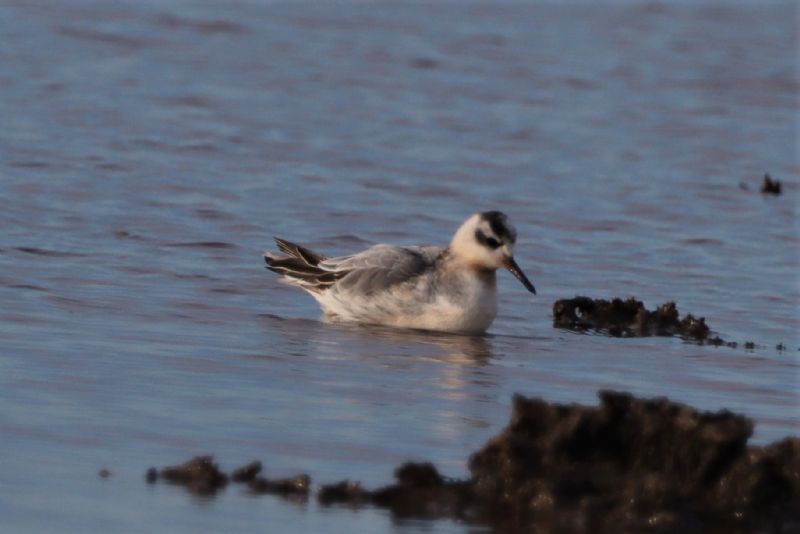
480,245
486,241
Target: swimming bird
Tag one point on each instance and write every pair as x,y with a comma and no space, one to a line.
451,289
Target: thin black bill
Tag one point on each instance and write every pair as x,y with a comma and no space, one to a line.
514,269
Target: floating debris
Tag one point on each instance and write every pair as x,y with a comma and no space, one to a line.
104,473
627,318
770,186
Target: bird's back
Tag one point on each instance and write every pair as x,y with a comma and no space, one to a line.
382,267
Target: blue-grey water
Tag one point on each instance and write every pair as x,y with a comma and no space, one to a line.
150,149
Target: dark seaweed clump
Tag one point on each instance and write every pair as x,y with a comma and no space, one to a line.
247,473
200,475
420,492
627,318
293,487
627,465
634,464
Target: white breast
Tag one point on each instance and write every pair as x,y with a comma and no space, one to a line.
469,310
448,317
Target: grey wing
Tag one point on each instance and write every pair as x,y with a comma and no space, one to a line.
382,267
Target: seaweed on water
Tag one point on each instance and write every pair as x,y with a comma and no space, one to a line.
247,473
629,464
627,318
296,486
200,475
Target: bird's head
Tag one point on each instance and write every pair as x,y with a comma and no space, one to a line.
486,241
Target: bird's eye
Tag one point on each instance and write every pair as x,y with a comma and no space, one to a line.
492,242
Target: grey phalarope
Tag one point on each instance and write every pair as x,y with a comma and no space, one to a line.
450,289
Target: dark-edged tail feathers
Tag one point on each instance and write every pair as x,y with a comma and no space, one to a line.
300,267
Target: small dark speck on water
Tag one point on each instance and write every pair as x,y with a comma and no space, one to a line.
172,22
104,473
770,186
124,234
151,476
424,63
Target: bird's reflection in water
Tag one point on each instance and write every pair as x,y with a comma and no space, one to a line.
454,348
455,364
446,377
325,337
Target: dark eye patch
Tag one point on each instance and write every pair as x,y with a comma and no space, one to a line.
490,242
498,222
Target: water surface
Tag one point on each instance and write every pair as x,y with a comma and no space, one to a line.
150,150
